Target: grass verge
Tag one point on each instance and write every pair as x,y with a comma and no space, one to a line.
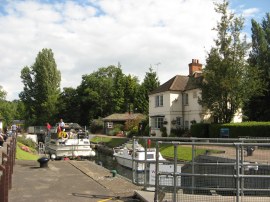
23,155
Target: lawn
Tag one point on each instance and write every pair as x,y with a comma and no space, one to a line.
184,153
23,155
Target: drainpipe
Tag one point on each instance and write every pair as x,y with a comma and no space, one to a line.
183,114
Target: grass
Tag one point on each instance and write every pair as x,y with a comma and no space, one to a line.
23,155
184,153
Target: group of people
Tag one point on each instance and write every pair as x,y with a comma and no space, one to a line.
3,138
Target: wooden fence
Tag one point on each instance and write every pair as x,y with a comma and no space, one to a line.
6,168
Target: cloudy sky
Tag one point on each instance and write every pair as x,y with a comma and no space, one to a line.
85,35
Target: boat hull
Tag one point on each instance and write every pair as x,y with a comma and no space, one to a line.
70,148
127,162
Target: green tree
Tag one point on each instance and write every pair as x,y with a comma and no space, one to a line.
69,105
149,83
228,80
41,88
131,89
101,93
258,108
9,110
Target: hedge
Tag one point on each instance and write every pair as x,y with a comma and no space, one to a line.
236,130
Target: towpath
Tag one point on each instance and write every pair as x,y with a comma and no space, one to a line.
67,181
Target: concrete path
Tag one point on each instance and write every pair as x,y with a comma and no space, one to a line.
61,181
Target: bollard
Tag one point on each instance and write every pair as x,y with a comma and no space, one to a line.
43,162
113,172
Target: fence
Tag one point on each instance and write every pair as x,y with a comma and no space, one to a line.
208,170
6,169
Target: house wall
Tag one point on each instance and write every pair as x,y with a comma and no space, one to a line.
192,111
173,107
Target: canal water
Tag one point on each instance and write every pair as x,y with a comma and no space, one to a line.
110,163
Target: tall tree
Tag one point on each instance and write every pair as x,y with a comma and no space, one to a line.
101,93
41,88
258,109
69,105
131,90
228,80
149,83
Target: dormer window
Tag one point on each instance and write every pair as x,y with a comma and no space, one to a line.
159,101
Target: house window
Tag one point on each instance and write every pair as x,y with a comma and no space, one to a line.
178,121
159,101
109,124
185,100
186,124
158,122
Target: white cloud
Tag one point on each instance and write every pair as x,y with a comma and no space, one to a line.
250,12
136,33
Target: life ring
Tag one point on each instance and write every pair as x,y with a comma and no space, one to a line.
62,134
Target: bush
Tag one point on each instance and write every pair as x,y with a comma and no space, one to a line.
133,132
163,131
97,126
200,130
26,141
236,130
177,132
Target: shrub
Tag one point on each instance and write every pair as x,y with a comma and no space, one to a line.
97,126
177,132
200,130
26,141
163,131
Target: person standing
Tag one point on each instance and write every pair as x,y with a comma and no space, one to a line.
14,129
1,139
62,124
48,129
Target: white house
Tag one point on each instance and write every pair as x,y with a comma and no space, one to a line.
175,104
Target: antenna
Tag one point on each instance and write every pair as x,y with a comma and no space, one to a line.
157,64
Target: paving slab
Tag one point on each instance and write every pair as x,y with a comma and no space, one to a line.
61,181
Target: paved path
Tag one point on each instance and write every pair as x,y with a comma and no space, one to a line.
63,181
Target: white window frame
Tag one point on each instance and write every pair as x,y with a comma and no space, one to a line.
159,101
157,122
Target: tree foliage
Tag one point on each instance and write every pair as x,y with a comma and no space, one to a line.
258,109
149,83
228,80
41,88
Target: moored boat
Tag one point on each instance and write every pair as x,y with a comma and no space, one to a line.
125,156
73,142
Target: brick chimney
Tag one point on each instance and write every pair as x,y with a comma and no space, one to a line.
195,67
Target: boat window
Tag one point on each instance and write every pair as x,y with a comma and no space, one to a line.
150,156
86,142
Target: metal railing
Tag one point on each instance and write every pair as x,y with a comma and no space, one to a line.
6,168
215,170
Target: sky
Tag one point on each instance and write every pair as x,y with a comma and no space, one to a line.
86,35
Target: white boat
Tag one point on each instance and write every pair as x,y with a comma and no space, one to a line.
72,142
125,156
